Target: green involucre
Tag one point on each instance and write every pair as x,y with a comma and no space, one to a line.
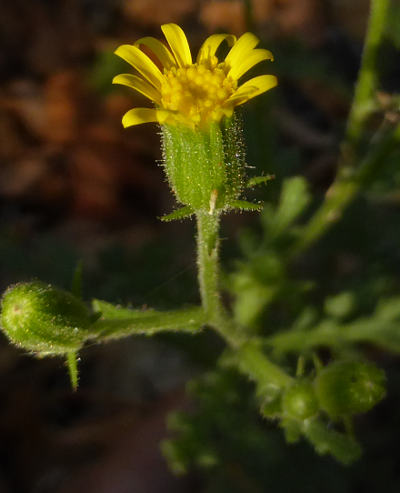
44,319
205,168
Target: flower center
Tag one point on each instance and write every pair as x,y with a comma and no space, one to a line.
198,92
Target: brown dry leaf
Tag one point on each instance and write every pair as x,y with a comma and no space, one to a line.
154,12
224,15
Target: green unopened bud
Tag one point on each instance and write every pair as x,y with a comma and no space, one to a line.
299,400
205,166
44,319
349,387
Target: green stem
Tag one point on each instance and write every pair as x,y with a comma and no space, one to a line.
251,360
367,78
207,261
248,353
381,333
344,189
349,180
208,275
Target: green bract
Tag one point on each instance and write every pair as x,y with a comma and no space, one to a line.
350,387
205,167
44,319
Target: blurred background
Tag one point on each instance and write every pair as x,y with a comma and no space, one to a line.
75,186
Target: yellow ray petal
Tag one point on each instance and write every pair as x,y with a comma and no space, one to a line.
241,49
137,116
252,88
138,84
179,45
211,45
142,63
255,56
159,49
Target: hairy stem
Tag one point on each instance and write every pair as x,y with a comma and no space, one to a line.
208,275
249,354
207,261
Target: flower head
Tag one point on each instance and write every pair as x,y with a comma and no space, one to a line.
191,93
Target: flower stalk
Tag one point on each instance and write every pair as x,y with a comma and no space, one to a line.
207,262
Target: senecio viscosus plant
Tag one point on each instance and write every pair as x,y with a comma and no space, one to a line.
196,106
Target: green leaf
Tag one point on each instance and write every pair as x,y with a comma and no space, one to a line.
327,441
259,180
340,306
292,430
243,205
389,309
72,363
182,213
76,284
295,197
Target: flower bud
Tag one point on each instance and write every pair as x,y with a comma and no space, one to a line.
349,387
205,166
44,319
299,400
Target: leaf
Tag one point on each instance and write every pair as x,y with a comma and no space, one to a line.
76,284
259,180
72,363
327,441
295,197
340,306
243,205
182,213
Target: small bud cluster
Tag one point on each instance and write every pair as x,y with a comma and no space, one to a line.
340,390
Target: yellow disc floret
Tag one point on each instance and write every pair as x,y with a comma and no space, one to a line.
198,93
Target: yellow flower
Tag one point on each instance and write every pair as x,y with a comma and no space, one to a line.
186,92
